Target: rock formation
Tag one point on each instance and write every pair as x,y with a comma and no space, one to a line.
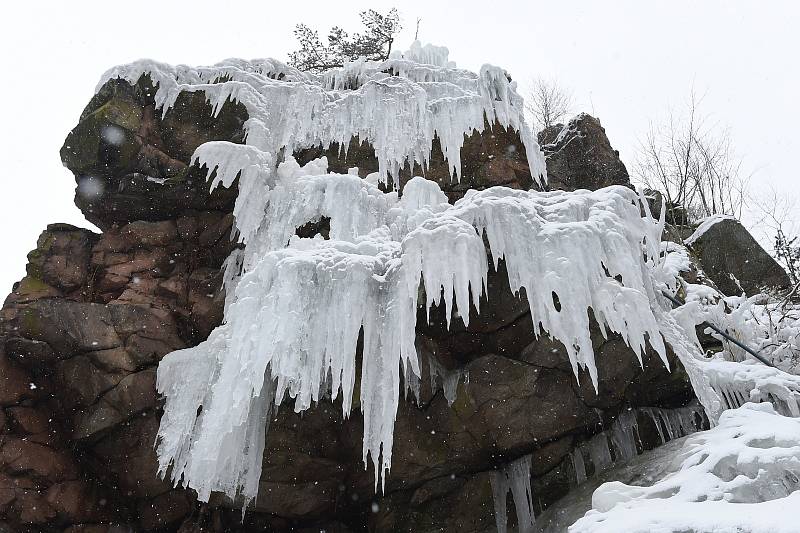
579,156
734,260
83,332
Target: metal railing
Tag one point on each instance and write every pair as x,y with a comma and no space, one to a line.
728,337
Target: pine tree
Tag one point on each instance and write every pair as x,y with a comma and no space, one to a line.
374,43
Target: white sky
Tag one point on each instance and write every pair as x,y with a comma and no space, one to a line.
625,61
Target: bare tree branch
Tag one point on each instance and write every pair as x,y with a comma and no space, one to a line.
546,103
777,215
692,162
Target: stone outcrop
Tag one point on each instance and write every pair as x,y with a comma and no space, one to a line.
735,262
83,332
130,163
580,156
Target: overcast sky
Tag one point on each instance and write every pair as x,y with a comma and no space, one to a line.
625,62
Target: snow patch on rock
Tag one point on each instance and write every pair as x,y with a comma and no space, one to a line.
706,224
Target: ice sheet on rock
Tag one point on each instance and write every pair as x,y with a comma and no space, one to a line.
621,443
579,466
297,309
741,475
624,435
645,468
445,379
514,478
675,423
599,452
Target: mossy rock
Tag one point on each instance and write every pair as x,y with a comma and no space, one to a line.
32,288
104,143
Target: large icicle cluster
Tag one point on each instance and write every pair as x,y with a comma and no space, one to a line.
294,320
398,106
514,478
296,308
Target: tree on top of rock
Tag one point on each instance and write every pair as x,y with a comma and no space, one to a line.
547,102
375,43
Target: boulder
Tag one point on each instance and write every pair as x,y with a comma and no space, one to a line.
733,259
130,163
580,156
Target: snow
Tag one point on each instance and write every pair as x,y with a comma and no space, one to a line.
770,326
741,475
706,224
426,55
728,379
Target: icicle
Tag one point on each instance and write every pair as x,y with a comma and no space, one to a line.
449,379
623,435
579,466
655,416
515,477
599,453
499,494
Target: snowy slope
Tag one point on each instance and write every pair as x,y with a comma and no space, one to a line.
742,475
706,224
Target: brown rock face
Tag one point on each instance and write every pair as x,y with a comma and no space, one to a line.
82,334
580,156
494,157
130,163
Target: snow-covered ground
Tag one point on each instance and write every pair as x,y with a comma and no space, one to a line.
742,475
